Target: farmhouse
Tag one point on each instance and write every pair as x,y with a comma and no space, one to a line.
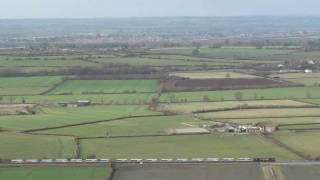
249,129
174,131
311,62
280,66
227,128
308,71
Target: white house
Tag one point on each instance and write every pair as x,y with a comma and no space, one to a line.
308,71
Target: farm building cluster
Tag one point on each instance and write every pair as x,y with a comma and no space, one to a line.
224,128
79,103
261,128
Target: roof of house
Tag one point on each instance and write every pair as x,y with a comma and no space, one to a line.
268,125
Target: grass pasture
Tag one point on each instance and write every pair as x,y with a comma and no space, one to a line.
248,94
314,101
131,98
227,62
27,85
105,86
15,145
145,61
185,147
205,106
129,127
55,172
306,143
300,127
52,117
45,63
228,53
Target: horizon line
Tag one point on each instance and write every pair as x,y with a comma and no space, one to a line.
146,17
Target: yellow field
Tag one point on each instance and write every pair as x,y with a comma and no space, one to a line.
199,106
264,113
210,75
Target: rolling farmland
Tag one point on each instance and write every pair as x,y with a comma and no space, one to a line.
120,104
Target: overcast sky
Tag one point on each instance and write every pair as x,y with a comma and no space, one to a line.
150,8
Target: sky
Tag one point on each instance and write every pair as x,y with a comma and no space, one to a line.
153,8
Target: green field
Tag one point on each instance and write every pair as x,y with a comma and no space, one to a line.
105,86
314,101
45,63
300,127
131,98
51,117
309,79
27,85
306,143
205,106
54,173
302,55
228,53
129,127
230,62
249,94
16,145
145,61
185,147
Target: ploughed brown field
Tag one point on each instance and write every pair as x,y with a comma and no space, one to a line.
220,84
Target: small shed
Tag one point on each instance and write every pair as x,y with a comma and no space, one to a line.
268,127
81,103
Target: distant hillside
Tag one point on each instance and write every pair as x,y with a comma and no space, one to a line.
175,25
